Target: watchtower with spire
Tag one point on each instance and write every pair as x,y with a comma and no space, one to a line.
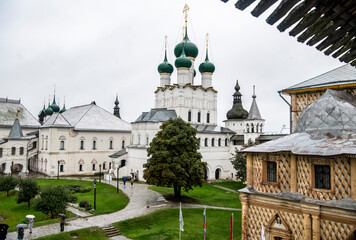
117,108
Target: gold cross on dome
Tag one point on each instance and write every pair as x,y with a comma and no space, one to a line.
185,11
165,42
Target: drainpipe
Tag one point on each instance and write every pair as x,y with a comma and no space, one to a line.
290,112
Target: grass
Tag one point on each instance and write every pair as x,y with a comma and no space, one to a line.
107,200
164,225
82,234
205,195
12,213
230,184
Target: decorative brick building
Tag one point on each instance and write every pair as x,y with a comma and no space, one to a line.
303,186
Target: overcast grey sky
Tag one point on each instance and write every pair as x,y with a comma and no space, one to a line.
92,50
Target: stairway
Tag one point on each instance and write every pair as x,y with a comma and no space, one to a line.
111,231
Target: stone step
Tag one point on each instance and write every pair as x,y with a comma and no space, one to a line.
111,231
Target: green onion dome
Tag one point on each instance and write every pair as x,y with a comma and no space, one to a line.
54,106
165,67
183,61
191,50
48,111
206,66
63,109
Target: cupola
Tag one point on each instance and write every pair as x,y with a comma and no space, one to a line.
54,106
237,111
206,68
49,110
165,67
183,61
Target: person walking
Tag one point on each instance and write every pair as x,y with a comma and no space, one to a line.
124,180
132,181
62,217
3,231
20,233
30,224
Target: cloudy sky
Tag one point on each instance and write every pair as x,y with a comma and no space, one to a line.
91,50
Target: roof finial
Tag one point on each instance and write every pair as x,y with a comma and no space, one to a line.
64,100
254,95
207,40
183,33
185,10
165,42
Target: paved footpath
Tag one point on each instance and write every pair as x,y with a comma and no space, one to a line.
140,197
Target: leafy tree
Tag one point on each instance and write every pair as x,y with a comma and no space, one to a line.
174,159
8,183
28,190
53,200
238,161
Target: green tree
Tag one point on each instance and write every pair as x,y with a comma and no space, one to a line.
8,183
28,190
174,160
52,200
238,161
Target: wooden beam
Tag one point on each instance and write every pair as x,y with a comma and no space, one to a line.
322,33
307,20
262,6
349,56
296,14
332,38
283,8
342,50
339,44
242,4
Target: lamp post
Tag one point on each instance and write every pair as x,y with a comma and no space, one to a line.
117,179
12,167
58,170
95,194
99,172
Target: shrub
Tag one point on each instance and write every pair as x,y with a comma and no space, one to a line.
85,204
73,199
85,189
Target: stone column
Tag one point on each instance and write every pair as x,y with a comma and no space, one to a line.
293,176
306,226
353,178
249,168
244,216
316,227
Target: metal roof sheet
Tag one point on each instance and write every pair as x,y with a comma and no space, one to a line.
254,112
211,129
157,115
16,131
8,111
342,75
119,153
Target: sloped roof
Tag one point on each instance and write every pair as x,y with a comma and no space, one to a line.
211,129
88,118
319,130
119,153
16,131
254,112
329,24
56,120
8,110
337,77
156,115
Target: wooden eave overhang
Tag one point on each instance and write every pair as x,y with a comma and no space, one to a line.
317,89
328,24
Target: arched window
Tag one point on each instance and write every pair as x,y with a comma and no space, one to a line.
80,167
199,141
189,115
257,128
0,152
42,143
139,140
219,142
213,142
81,145
206,142
21,150
252,128
111,145
93,167
94,144
247,128
225,141
199,116
261,128
208,117
147,140
13,151
61,145
123,144
104,165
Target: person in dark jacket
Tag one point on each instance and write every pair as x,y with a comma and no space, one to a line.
3,231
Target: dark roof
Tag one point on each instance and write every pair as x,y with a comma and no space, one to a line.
254,112
16,131
156,115
328,24
325,128
211,129
336,78
238,138
119,153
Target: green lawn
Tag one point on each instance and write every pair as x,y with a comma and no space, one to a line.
230,184
206,195
164,225
82,234
108,201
